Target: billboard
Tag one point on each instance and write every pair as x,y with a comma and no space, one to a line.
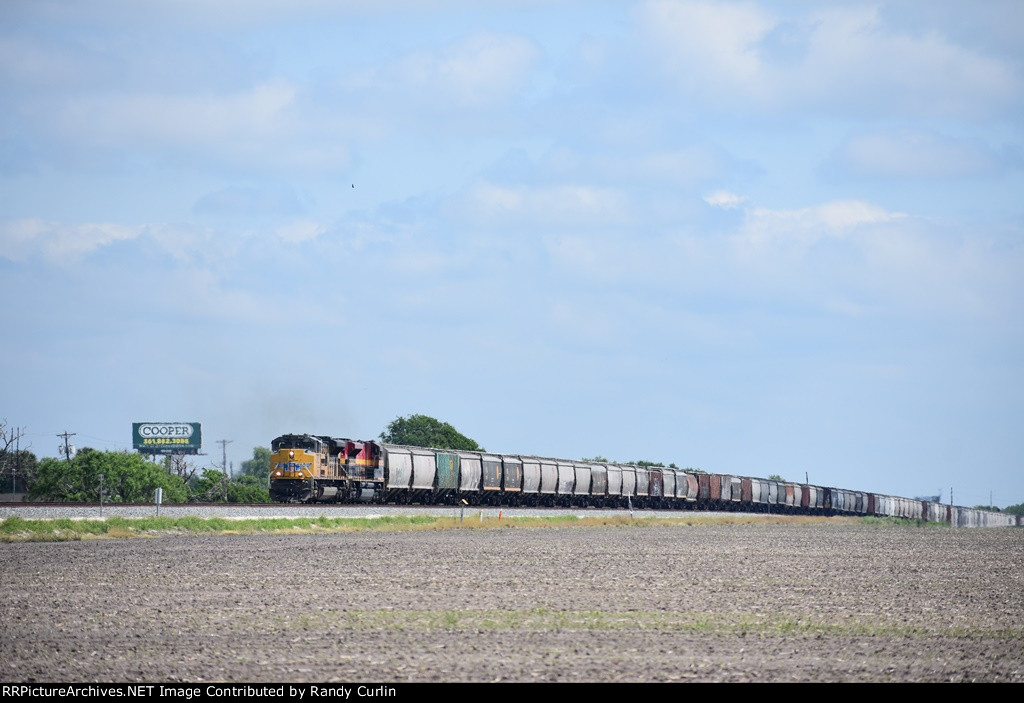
167,437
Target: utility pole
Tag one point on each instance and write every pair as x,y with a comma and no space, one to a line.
224,463
224,453
67,449
17,462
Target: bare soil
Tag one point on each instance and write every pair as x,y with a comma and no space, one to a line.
824,602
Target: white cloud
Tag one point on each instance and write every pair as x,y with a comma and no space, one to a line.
725,199
268,127
242,118
855,57
300,231
856,258
483,71
265,200
767,233
838,59
61,243
600,257
916,153
57,242
189,244
553,205
709,44
232,14
681,167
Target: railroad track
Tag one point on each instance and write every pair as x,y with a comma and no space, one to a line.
44,511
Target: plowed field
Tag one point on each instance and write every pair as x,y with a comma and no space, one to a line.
801,602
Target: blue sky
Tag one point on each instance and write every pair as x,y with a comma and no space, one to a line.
749,237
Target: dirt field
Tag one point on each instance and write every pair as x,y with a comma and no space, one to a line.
826,602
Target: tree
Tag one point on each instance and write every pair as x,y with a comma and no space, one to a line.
248,489
640,462
425,431
259,466
127,478
17,464
17,471
775,477
215,487
210,487
181,466
9,438
1015,509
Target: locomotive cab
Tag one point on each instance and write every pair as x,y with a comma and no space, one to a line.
296,462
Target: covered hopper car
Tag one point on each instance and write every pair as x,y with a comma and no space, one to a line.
314,468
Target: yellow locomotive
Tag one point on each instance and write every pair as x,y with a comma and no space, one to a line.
311,468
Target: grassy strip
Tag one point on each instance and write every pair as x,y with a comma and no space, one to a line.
900,522
547,620
17,529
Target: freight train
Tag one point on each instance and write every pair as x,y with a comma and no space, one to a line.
313,468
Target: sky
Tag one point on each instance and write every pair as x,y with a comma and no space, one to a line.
748,237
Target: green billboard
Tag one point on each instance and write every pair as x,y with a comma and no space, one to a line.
167,437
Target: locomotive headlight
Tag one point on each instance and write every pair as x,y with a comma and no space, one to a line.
291,454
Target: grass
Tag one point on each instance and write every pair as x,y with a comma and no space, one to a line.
900,522
17,529
551,620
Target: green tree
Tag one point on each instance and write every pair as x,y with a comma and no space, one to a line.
775,477
248,489
425,431
1015,509
603,460
17,471
58,480
214,486
209,487
17,464
127,478
259,466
